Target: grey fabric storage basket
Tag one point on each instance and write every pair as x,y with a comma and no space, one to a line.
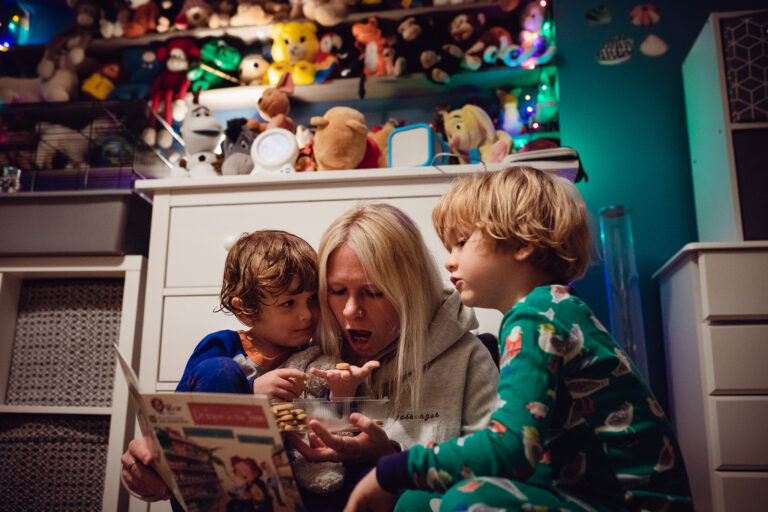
74,223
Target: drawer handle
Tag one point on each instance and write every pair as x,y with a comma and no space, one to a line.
230,240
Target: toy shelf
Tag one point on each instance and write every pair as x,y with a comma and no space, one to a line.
254,33
346,89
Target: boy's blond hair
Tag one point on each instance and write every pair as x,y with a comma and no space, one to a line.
521,206
263,265
395,258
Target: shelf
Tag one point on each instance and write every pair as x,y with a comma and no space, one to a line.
47,409
346,89
255,33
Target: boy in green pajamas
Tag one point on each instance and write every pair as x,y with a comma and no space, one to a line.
575,427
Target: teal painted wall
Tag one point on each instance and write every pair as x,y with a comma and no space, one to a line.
628,124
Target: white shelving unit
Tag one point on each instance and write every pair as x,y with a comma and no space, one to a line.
14,273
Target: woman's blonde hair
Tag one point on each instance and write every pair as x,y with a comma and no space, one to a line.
396,260
522,206
262,265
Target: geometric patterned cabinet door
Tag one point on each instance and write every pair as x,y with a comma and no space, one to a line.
64,412
725,84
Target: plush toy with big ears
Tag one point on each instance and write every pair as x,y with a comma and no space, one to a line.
341,141
470,128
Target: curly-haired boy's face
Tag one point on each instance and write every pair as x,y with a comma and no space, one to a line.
289,320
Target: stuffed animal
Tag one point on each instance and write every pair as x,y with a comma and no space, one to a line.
102,82
470,128
465,29
143,18
236,147
193,14
167,14
534,48
341,141
170,88
248,14
253,69
495,44
57,78
511,120
376,50
328,13
221,12
141,66
115,14
327,60
294,49
380,135
414,35
201,133
274,106
217,67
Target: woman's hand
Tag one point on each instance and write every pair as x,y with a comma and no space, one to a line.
282,383
368,496
370,444
343,383
138,475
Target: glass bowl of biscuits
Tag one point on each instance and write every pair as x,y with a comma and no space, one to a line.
333,413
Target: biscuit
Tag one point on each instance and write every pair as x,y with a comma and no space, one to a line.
342,366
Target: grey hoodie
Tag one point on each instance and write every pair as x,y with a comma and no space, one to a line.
458,386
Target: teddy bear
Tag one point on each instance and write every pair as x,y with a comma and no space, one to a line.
341,141
193,14
168,9
217,67
294,50
328,13
470,128
221,12
143,18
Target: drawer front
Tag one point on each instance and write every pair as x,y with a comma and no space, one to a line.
740,491
736,359
740,425
734,285
197,244
186,321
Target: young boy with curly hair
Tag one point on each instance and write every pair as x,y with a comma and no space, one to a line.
575,426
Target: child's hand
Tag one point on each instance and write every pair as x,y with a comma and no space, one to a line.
369,496
344,382
283,383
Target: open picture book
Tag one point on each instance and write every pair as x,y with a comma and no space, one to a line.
216,451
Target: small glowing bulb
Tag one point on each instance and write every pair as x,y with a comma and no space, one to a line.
5,44
15,18
546,25
544,87
11,25
543,3
527,97
529,109
535,126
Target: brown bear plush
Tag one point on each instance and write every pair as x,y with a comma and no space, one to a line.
274,106
342,142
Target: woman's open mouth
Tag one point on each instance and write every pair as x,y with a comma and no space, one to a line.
358,337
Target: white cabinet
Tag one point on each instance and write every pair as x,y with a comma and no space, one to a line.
714,299
64,407
724,80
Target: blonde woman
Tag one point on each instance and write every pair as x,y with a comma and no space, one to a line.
382,298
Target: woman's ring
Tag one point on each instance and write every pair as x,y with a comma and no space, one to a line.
131,465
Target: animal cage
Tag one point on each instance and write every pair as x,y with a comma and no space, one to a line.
90,145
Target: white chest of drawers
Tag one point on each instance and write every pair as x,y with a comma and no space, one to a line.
714,299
